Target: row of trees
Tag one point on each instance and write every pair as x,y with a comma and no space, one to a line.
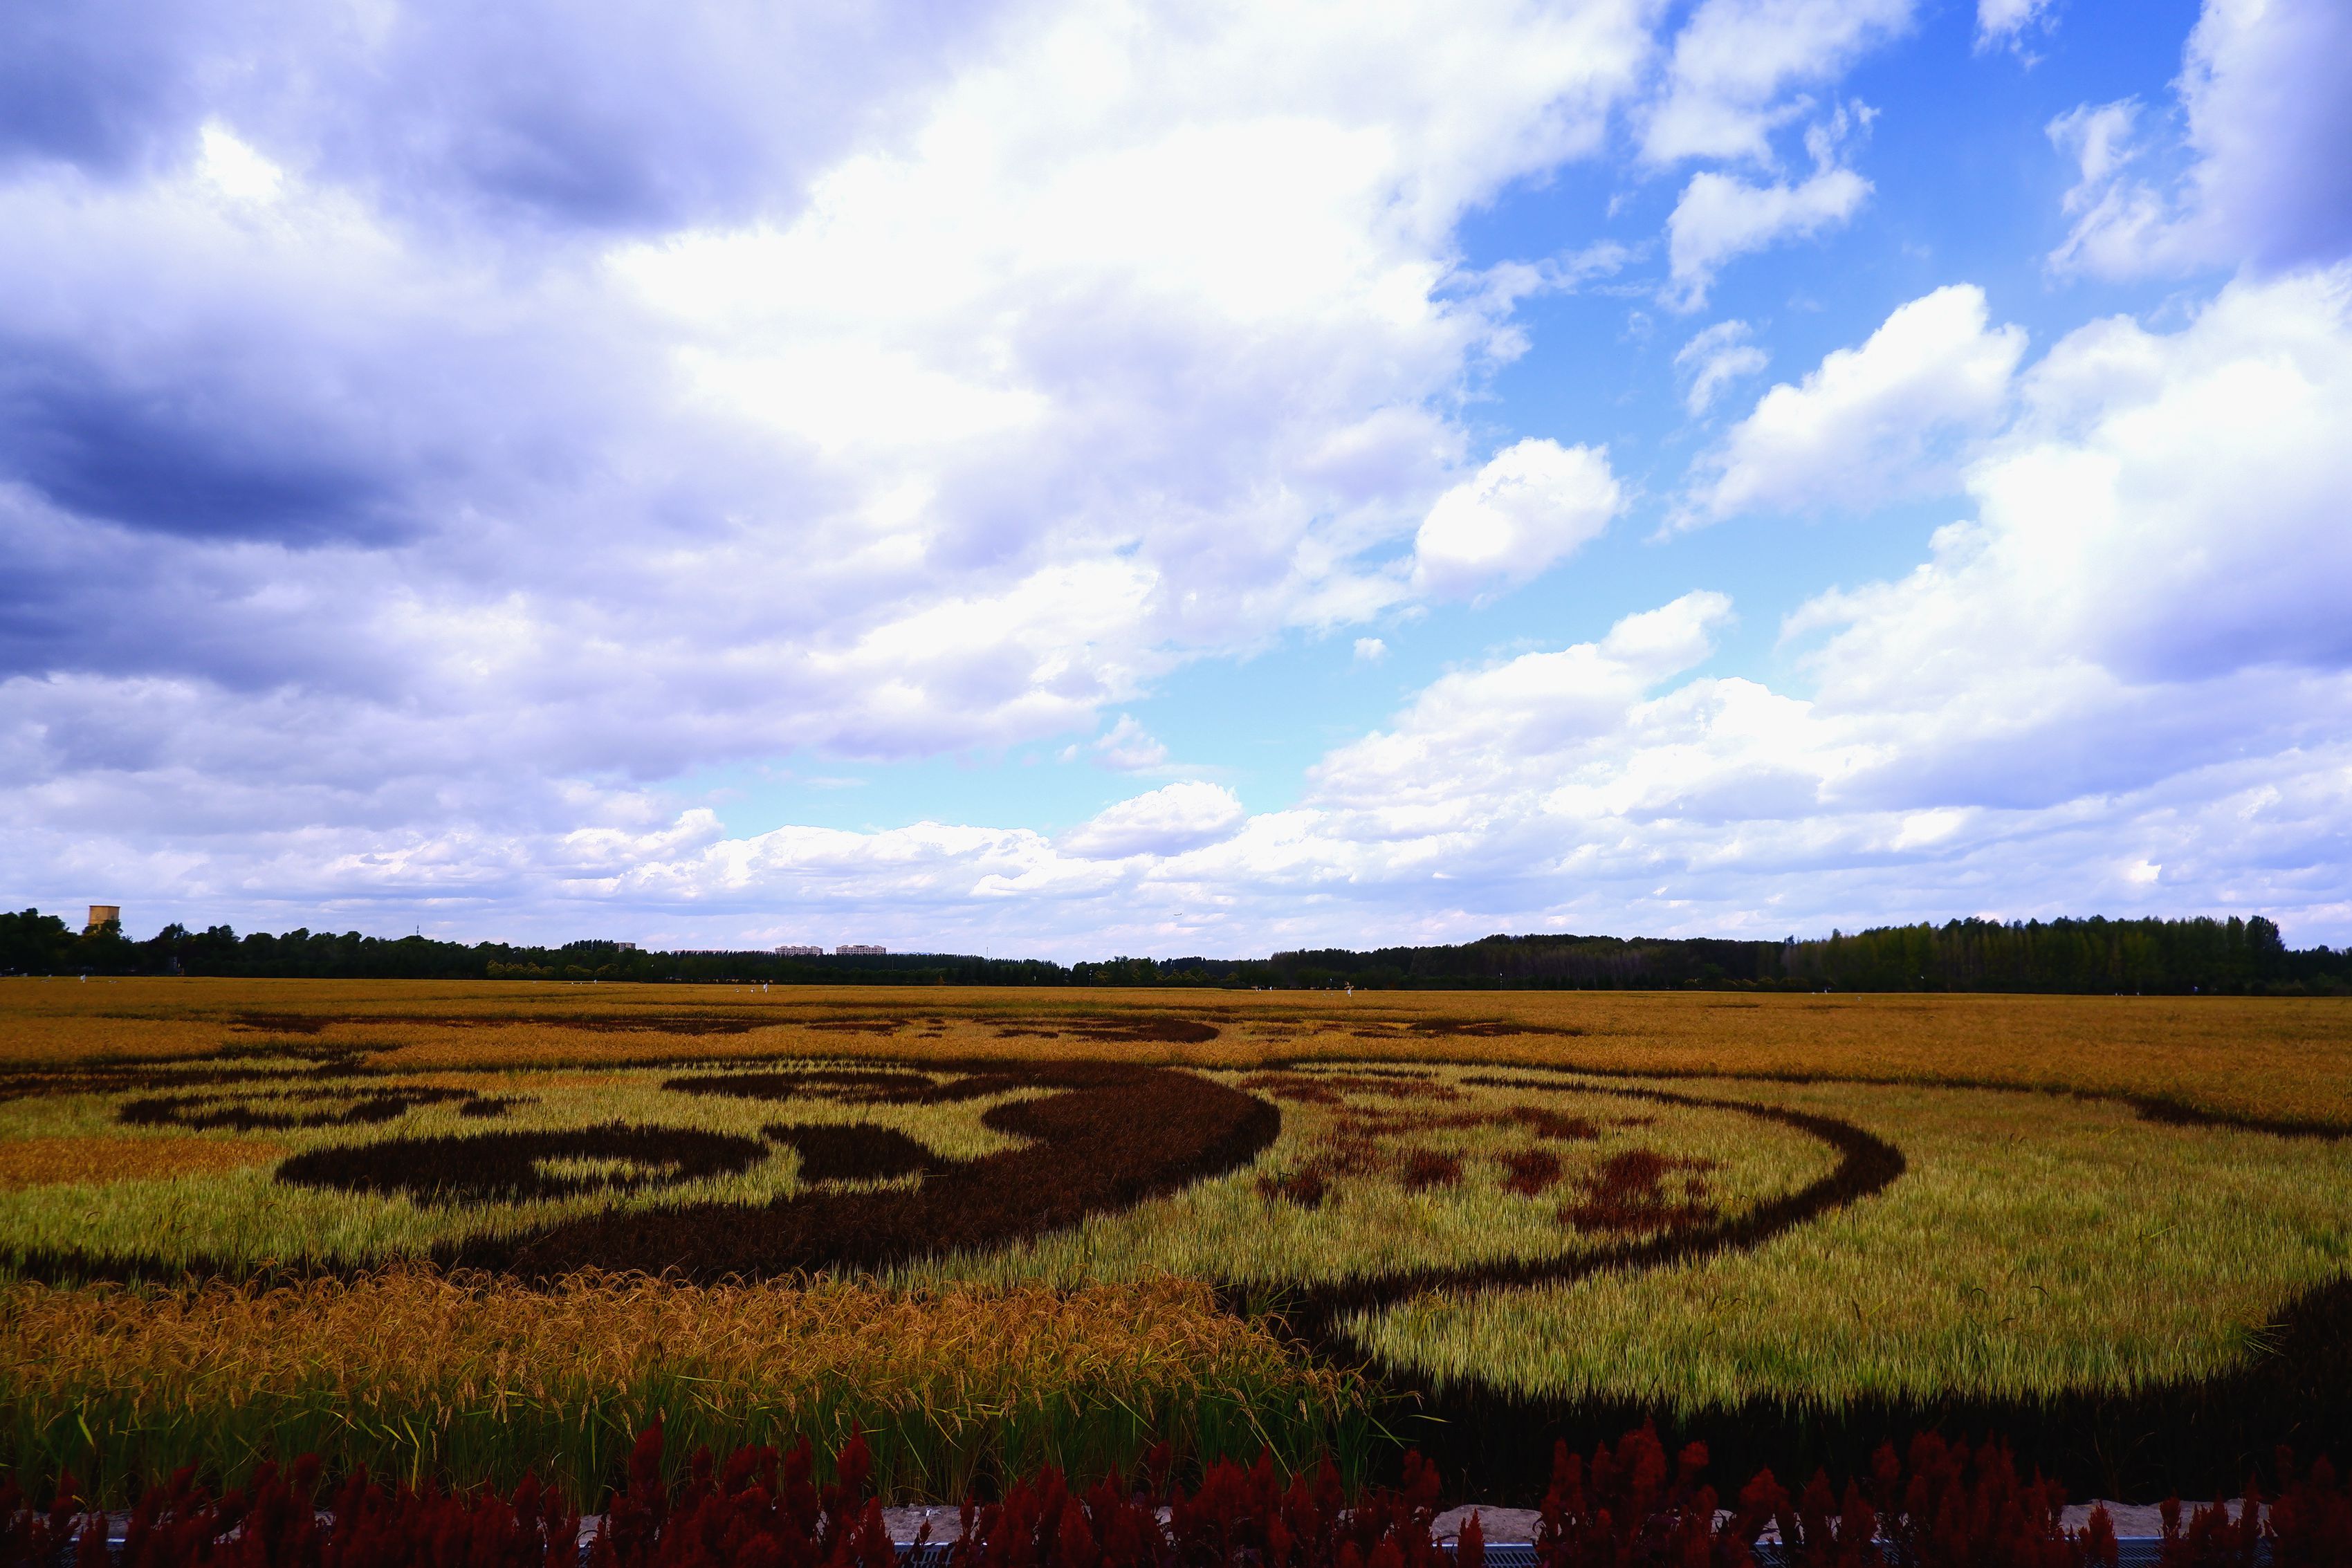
2096,954
2200,955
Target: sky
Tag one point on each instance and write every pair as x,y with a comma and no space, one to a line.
1063,479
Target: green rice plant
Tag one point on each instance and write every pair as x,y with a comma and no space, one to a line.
185,1188
2036,1245
1370,1218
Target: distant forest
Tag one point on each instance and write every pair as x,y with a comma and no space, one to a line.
2236,956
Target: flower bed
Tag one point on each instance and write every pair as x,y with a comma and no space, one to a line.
1941,1506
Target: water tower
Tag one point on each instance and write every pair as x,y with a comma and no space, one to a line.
100,913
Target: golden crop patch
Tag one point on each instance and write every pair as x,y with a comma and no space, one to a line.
64,1161
411,1371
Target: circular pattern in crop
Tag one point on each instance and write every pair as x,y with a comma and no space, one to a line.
512,1168
1093,1138
286,1110
857,1152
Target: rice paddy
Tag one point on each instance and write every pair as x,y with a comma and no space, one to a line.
467,1230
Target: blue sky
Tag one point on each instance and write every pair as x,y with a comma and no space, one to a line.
1085,478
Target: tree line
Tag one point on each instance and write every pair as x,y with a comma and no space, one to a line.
2237,956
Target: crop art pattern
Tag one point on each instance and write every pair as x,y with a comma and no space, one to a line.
1460,1202
1344,1186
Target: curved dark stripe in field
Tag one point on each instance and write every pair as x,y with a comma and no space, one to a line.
1867,1164
271,1111
856,1152
1110,1136
2190,1438
2161,1108
507,1167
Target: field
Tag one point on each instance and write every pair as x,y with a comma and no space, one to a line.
471,1230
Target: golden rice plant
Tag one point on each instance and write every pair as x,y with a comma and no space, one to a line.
47,1162
418,1373
2265,1056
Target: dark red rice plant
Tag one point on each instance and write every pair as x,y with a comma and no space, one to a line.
1626,1196
1530,1172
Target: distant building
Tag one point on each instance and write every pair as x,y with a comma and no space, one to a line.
99,913
859,950
790,951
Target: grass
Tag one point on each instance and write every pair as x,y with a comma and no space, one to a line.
1539,1194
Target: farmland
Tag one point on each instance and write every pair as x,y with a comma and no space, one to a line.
996,1228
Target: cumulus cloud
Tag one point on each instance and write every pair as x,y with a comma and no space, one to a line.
2005,22
1167,822
2165,511
1129,747
2124,685
1735,63
722,386
1721,216
1532,505
1478,737
1712,359
2265,183
1879,421
410,461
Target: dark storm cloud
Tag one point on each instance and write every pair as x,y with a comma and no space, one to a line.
180,458
630,117
640,118
95,84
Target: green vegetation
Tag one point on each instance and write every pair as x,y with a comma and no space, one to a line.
2037,1244
2201,955
1421,1173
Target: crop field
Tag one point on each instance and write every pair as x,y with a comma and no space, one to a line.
474,1229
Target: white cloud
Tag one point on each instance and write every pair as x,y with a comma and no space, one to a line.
1721,216
1167,822
1871,422
2166,511
2005,22
1736,61
915,389
2262,88
2122,225
235,169
1129,747
1714,359
1532,505
714,392
1474,738
2263,85
2124,686
1370,649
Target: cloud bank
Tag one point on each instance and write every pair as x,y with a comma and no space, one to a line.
424,441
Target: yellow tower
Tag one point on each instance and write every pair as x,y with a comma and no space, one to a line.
99,913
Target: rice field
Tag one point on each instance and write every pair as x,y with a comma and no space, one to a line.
473,1229
419,1374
